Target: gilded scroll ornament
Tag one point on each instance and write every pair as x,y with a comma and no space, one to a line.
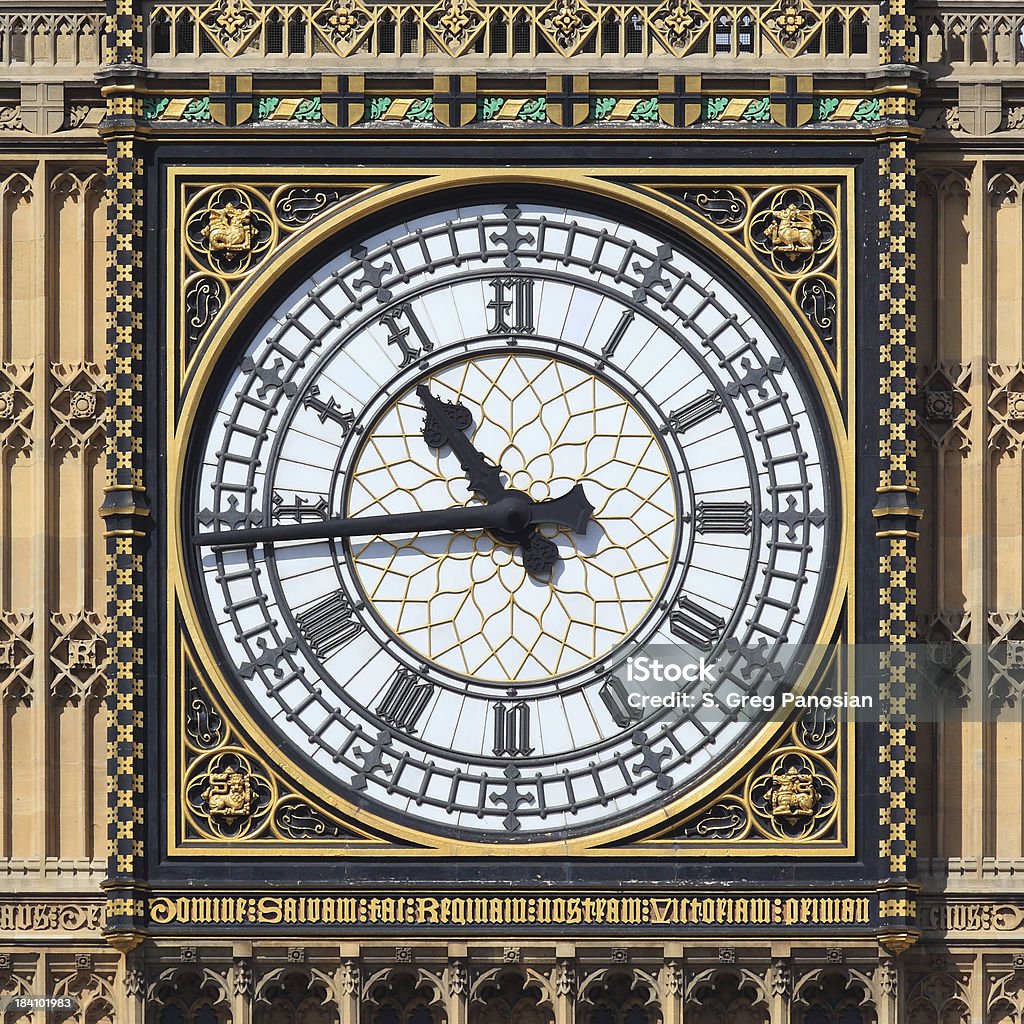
295,818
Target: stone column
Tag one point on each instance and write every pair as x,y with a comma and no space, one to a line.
131,985
350,985
566,984
242,983
780,990
886,979
673,987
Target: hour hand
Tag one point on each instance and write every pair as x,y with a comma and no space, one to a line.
446,423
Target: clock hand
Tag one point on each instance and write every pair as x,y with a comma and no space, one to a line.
510,516
446,422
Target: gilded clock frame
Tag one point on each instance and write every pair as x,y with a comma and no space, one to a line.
655,192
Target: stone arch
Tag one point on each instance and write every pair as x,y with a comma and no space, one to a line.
93,995
295,995
834,997
404,996
1005,1001
189,995
618,995
939,998
726,995
511,995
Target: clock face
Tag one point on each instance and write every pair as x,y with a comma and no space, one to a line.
577,441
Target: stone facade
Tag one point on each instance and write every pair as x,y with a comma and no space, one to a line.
70,316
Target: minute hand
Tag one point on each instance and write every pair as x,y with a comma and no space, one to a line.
510,514
484,477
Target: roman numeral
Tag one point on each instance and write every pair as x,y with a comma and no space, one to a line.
512,729
694,412
512,306
723,517
328,624
406,697
694,624
618,334
398,335
614,695
328,410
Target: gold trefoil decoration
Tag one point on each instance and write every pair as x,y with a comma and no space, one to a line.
792,22
341,21
233,17
230,231
567,22
228,795
455,20
681,21
793,231
792,795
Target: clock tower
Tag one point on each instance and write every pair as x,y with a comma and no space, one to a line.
475,478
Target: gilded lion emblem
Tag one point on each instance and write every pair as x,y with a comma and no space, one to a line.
792,794
793,230
230,231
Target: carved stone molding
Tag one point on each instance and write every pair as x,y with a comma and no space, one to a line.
16,406
242,977
16,657
945,406
91,987
832,994
947,635
1006,408
78,407
78,653
1006,656
402,993
780,978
